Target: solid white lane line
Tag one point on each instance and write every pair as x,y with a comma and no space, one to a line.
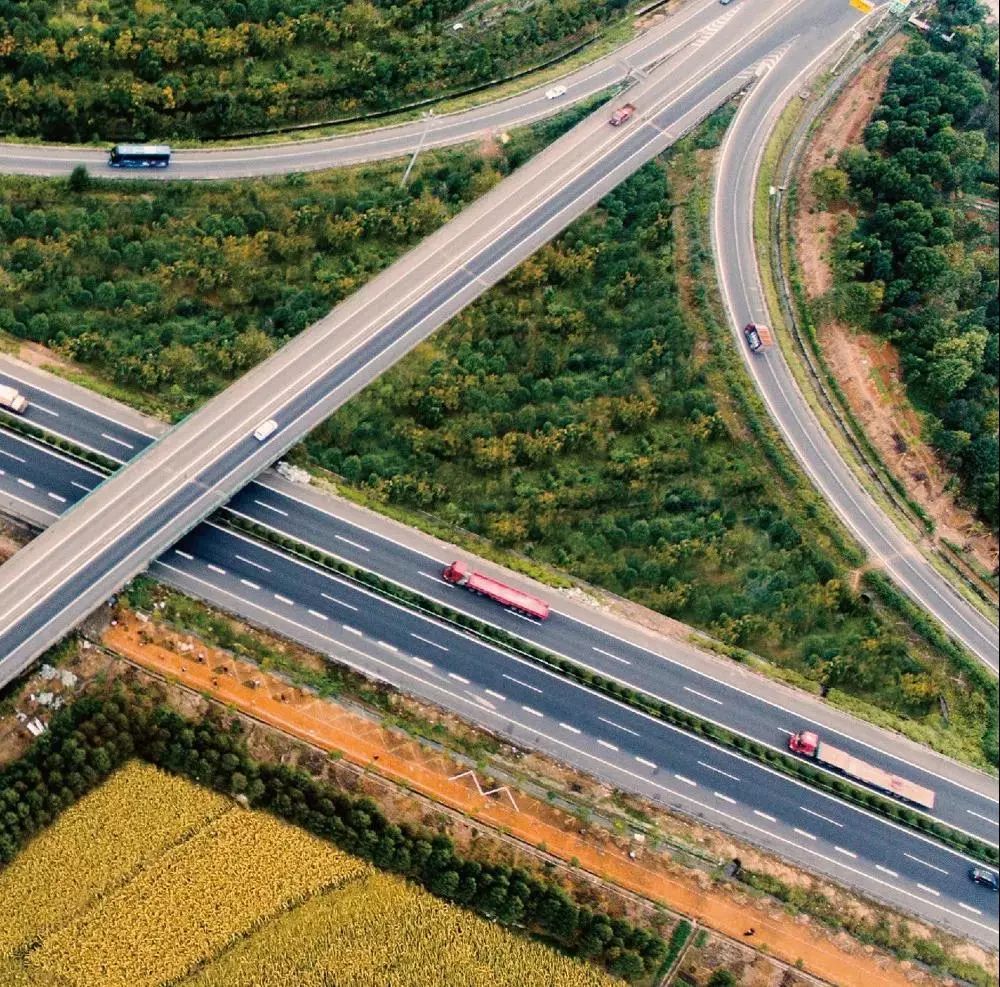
246,582
269,507
184,555
459,678
701,695
725,798
496,695
352,630
618,726
519,682
426,640
940,870
608,654
923,887
80,486
284,599
566,726
642,760
387,646
832,822
764,815
718,771
55,496
610,747
687,781
317,614
256,565
215,568
353,544
885,870
26,483
804,832
121,442
846,853
333,599
533,712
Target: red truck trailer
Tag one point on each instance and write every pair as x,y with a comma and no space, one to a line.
622,114
808,743
459,574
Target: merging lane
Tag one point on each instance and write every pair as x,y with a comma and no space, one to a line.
734,246
134,516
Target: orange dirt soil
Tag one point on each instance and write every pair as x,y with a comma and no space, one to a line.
867,367
358,739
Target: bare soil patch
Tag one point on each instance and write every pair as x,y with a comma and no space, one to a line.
866,367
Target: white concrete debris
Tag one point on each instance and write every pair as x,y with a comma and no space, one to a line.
293,474
35,727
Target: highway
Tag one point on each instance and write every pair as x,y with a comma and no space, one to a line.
543,711
671,671
679,28
138,513
740,282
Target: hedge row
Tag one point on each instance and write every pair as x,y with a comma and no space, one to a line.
15,424
666,712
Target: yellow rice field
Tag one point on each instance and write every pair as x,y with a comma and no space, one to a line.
152,880
382,930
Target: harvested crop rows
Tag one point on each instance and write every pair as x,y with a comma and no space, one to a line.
152,880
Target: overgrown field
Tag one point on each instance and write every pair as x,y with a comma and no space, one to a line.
151,879
143,69
170,290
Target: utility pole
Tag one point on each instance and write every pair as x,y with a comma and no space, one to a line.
428,116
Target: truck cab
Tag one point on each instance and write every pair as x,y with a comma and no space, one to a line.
758,337
804,742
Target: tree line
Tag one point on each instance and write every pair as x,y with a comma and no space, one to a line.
95,734
194,69
919,266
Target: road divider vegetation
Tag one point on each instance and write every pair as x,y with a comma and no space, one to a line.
14,423
650,705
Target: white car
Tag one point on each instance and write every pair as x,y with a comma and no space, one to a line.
555,92
265,429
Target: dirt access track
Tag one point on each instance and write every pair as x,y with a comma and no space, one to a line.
332,728
867,367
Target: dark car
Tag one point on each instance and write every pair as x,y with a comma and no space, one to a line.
985,878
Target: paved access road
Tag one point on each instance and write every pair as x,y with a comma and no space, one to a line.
134,516
740,281
544,711
676,30
672,671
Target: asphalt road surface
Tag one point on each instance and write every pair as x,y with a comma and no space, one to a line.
134,516
36,476
739,278
544,711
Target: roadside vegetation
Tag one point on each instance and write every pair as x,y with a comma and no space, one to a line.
172,907
589,412
115,70
915,257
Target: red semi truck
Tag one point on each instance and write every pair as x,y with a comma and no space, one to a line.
808,743
460,574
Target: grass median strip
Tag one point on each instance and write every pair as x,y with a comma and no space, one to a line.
666,712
